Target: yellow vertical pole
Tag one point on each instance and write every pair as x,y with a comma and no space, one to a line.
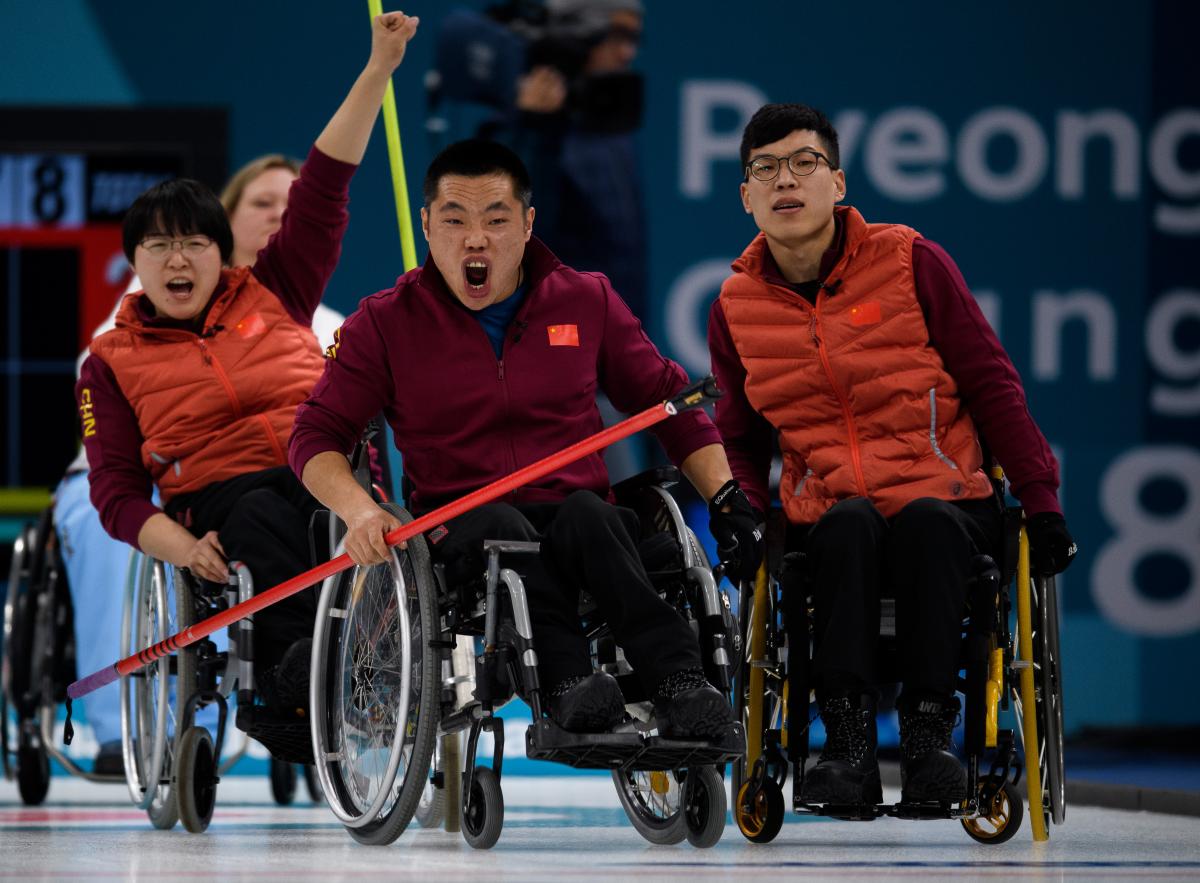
391,128
1033,773
756,655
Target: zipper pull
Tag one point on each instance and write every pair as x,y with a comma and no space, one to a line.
501,365
204,354
812,327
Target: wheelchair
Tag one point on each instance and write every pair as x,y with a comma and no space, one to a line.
172,764
391,678
38,662
999,671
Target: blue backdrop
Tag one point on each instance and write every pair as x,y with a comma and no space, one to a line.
1053,149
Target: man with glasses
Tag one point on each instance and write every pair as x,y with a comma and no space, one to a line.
861,347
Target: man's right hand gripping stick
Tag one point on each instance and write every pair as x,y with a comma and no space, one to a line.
697,394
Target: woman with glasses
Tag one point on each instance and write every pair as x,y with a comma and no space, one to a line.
194,390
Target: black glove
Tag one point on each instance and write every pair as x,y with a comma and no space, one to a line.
737,532
1051,546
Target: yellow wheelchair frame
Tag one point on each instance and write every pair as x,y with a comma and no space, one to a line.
1024,672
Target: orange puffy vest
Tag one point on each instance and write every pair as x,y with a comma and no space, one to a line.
220,404
863,403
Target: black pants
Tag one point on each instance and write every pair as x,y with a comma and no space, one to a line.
922,558
587,544
261,519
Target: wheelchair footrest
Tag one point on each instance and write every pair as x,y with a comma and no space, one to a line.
631,750
287,736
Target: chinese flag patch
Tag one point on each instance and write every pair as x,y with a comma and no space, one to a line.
563,335
866,314
252,326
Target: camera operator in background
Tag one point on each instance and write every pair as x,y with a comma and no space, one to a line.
577,109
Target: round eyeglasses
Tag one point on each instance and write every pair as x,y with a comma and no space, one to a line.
161,246
803,162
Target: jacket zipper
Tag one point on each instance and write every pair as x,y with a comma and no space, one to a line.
210,359
855,454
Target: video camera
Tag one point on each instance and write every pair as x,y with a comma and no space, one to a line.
479,58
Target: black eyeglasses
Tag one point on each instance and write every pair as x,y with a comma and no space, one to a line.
765,167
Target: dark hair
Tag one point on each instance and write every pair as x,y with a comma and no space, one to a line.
177,208
474,158
773,122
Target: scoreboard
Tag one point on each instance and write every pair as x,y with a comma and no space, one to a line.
67,176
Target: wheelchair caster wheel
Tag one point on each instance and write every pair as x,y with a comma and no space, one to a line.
759,811
283,782
196,789
33,774
483,810
704,807
999,818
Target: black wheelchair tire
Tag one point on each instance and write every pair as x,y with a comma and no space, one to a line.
661,831
705,806
764,821
33,774
1050,700
283,781
483,810
196,781
1009,797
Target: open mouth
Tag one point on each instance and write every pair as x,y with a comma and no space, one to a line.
180,287
476,272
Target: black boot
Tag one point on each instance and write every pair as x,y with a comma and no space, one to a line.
928,771
687,706
587,704
847,773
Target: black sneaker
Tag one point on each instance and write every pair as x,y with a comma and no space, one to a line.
928,770
587,704
110,760
687,706
847,773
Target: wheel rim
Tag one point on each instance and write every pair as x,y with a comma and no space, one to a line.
992,820
1050,692
752,822
20,544
372,632
655,795
146,714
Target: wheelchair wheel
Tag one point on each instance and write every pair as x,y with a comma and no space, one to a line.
431,808
18,641
283,781
147,716
704,807
1000,818
313,785
374,694
33,774
1050,698
1037,695
483,810
651,799
760,815
196,782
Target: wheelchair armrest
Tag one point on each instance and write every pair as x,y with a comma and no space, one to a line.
664,476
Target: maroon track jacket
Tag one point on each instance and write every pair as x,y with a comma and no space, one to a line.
461,417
